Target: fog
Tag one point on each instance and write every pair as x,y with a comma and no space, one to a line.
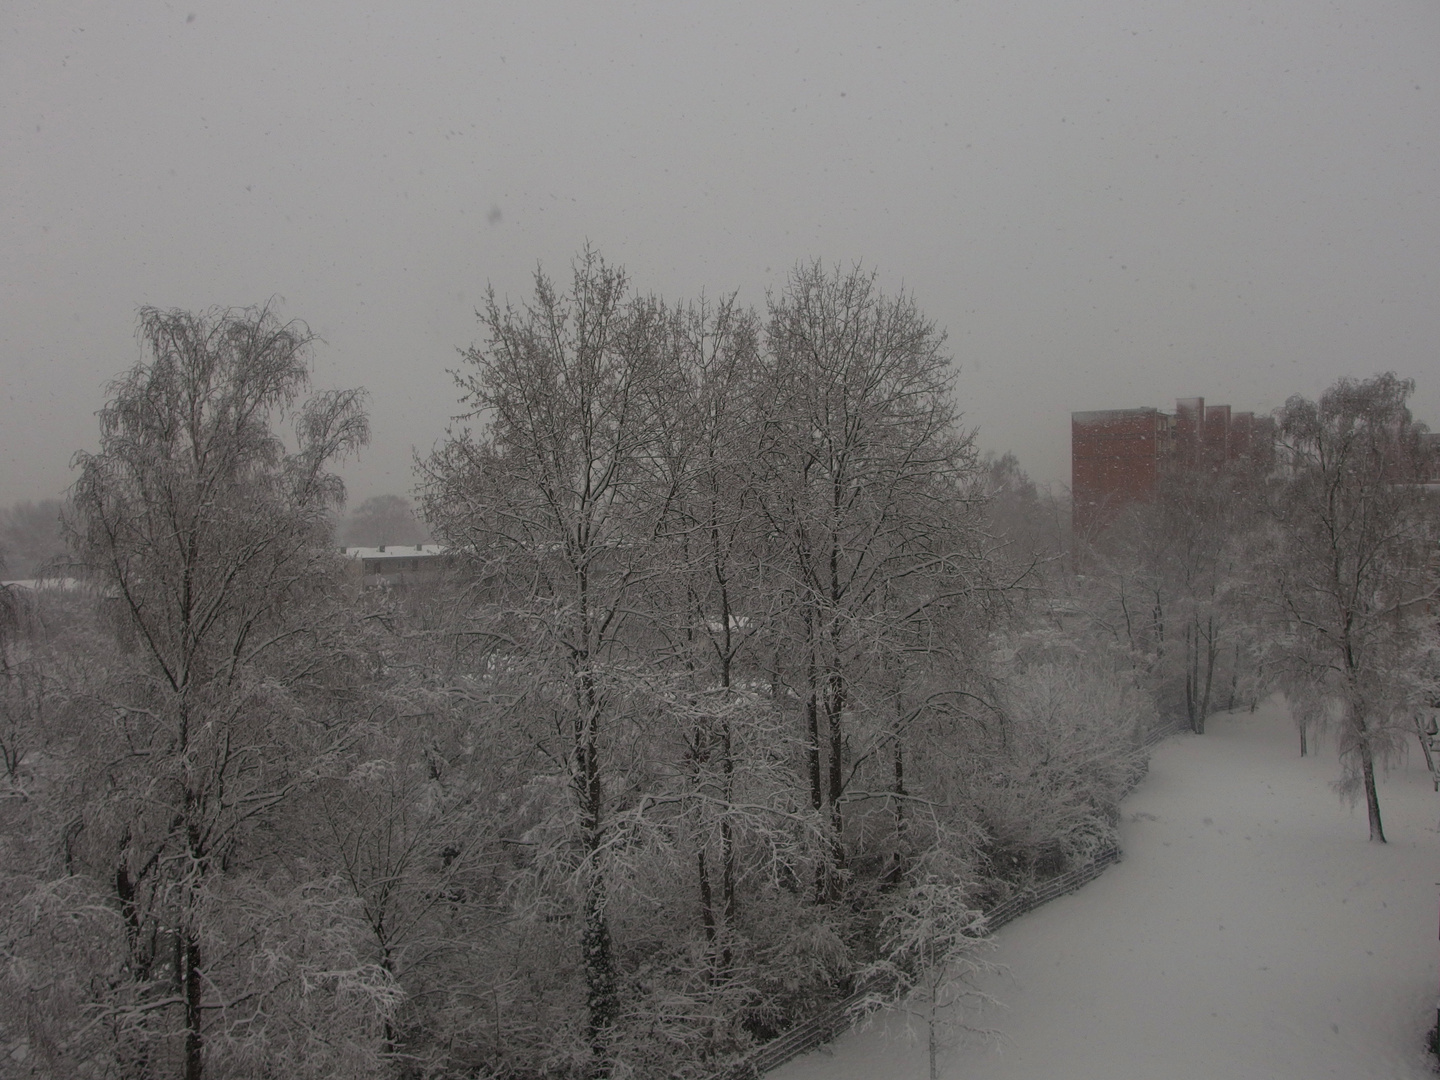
1106,205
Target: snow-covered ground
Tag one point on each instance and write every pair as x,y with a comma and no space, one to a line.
1251,932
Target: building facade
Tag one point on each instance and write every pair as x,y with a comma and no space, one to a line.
1117,456
394,564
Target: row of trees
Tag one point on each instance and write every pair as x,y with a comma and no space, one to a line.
738,599
747,678
1309,566
715,696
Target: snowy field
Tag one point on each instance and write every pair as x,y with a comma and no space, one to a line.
1251,932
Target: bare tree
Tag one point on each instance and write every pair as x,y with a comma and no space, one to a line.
1172,580
862,473
713,590
1352,569
204,535
930,944
1205,525
552,505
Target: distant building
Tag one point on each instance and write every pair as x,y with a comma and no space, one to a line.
1117,456
394,564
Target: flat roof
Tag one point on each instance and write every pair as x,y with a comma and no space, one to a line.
1111,414
392,551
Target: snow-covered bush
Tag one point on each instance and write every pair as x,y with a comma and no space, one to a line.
930,941
1066,750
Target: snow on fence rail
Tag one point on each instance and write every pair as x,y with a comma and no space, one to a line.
1164,731
1029,899
833,1022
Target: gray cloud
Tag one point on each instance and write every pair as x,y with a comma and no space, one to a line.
1105,204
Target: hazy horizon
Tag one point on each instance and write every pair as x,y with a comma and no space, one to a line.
1106,206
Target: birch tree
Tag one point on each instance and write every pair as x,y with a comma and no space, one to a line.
207,538
1353,572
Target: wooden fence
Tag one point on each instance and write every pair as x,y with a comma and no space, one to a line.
1171,727
834,1021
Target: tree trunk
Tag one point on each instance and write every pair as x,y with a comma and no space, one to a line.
812,713
595,943
194,992
1360,729
727,853
902,824
194,987
1234,679
1192,676
601,998
834,714
599,961
727,755
1372,797
707,900
812,739
1210,653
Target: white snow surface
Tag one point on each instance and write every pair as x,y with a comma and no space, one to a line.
1252,931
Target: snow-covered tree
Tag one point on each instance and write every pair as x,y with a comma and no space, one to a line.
550,504
1046,797
931,943
207,539
1353,572
864,477
1173,581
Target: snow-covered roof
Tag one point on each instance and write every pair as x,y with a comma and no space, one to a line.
393,551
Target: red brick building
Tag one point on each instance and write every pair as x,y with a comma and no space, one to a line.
1117,455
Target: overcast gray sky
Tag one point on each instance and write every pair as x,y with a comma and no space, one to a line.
1105,204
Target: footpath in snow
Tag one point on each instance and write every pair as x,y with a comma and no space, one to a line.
1251,932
